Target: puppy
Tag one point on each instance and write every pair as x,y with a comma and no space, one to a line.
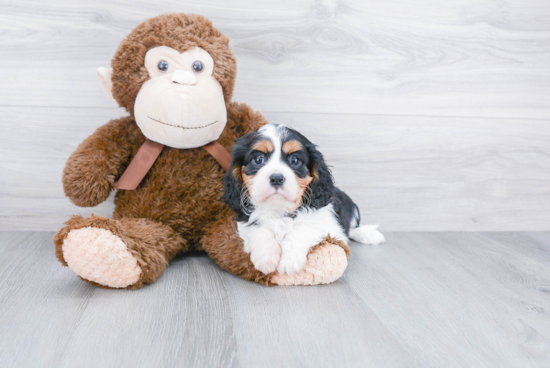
284,196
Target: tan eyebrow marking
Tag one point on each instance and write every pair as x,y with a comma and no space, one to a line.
292,146
264,146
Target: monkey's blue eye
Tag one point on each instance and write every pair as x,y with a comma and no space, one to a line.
294,161
163,65
197,66
258,160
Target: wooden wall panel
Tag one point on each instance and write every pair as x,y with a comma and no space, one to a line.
406,173
457,58
435,116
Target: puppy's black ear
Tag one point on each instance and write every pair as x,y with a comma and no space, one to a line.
322,185
232,185
232,181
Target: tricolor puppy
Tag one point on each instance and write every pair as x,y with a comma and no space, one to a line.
286,201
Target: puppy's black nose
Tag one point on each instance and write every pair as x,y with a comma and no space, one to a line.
276,180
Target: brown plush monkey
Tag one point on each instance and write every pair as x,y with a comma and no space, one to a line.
174,74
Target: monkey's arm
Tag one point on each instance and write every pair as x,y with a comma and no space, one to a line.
91,171
244,118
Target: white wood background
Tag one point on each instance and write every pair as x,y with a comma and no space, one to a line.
435,115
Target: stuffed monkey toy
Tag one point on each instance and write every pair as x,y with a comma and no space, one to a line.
174,74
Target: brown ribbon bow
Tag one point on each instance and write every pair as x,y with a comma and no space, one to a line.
148,154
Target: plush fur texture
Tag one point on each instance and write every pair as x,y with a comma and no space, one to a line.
177,207
181,193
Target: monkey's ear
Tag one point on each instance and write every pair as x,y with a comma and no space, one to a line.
104,75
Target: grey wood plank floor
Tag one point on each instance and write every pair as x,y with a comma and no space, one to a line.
420,300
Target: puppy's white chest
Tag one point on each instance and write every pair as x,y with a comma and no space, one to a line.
280,226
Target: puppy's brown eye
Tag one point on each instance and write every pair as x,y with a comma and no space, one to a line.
294,161
258,160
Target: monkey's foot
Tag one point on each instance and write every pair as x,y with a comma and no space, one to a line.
325,263
99,256
124,253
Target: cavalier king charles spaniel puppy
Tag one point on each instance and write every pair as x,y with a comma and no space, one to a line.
284,196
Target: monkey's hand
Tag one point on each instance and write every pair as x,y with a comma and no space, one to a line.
91,171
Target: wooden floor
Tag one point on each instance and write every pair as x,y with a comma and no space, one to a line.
421,300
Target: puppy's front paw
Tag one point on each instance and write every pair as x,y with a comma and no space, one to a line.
266,259
292,262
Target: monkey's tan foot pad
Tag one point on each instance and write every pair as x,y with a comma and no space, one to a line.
100,256
325,264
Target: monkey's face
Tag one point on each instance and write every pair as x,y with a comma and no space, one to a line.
181,105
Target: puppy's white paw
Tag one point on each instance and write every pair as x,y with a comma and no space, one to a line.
292,262
265,259
367,234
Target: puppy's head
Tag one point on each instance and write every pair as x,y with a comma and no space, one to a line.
276,168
